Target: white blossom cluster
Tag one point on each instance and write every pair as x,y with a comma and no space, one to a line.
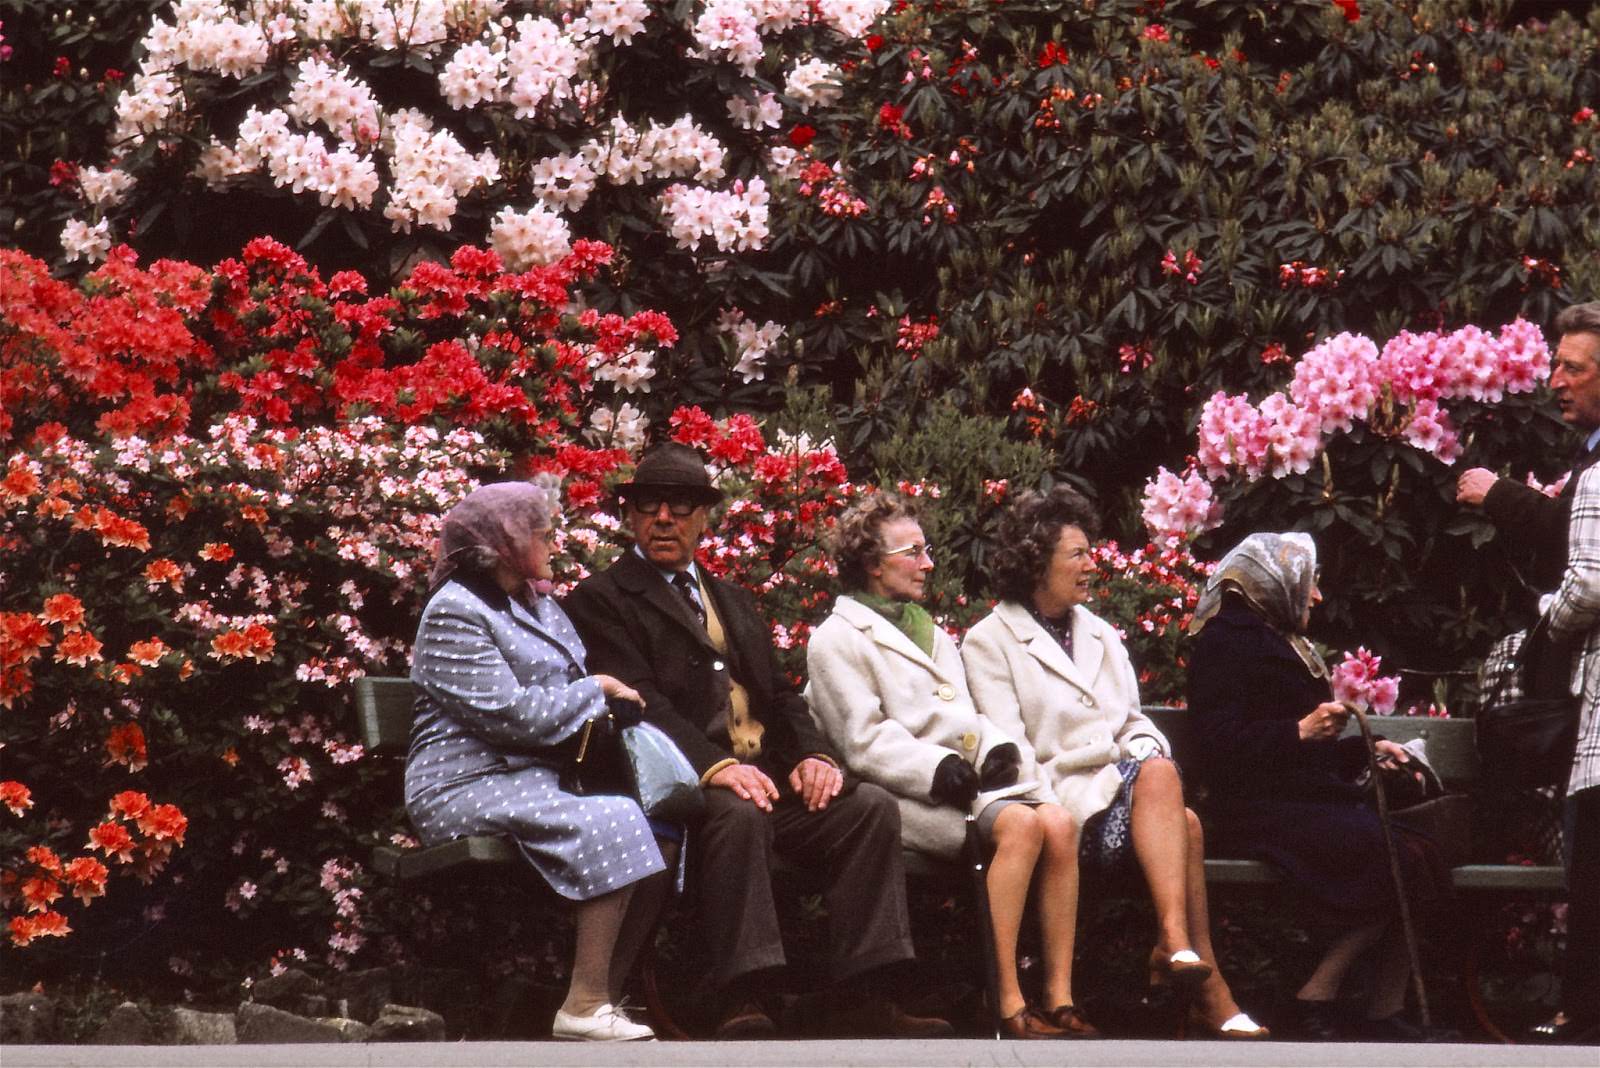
751,343
335,139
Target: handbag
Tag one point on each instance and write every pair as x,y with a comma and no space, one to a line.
636,760
1422,805
1528,726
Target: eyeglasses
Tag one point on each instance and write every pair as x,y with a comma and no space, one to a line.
652,505
916,551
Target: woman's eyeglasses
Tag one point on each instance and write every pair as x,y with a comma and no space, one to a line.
916,551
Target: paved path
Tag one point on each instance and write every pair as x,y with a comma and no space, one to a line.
955,1053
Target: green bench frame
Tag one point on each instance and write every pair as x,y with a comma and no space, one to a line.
385,708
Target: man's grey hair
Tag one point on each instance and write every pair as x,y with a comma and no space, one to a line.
1579,319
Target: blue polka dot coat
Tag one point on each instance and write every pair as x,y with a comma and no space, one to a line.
498,682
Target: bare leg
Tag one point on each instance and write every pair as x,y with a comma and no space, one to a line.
1330,972
1216,999
640,921
1393,978
1018,838
1161,844
598,922
1058,902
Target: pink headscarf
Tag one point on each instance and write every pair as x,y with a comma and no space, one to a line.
491,525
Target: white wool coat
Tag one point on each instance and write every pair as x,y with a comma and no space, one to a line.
1073,716
893,713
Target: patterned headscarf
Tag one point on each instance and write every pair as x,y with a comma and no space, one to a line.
491,525
1275,574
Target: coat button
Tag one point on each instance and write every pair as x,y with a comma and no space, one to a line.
717,665
969,741
1088,700
947,692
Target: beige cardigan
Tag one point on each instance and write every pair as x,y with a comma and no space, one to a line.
1073,716
893,713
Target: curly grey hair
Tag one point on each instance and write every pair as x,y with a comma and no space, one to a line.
857,542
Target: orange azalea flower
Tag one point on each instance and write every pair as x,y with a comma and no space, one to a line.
15,796
115,530
185,670
25,929
64,609
22,635
14,682
46,858
165,822
254,513
163,570
83,518
261,641
69,487
230,645
230,757
88,878
40,892
269,456
179,507
18,485
125,745
123,674
129,803
218,551
54,508
114,839
78,648
148,653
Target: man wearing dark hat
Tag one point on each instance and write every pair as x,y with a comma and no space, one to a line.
700,655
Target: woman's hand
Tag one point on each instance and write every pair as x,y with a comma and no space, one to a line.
616,689
1394,753
1324,722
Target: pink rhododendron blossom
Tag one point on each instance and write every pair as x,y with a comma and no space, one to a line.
1177,507
1356,680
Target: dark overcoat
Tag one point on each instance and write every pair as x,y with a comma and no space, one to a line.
1273,797
637,628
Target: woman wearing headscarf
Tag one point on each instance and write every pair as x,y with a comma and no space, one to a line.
888,689
1281,780
1058,679
500,675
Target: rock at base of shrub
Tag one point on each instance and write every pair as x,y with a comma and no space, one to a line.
263,1024
292,991
124,1025
405,1023
186,1027
28,1019
362,995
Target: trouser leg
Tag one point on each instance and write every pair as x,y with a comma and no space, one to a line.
731,852
1580,977
855,841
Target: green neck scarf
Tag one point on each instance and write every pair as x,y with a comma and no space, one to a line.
910,618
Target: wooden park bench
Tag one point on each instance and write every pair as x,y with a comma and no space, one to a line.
385,705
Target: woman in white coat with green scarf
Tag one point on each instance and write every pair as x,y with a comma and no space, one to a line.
889,690
1057,678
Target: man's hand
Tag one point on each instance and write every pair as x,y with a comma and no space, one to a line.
1473,485
750,783
817,782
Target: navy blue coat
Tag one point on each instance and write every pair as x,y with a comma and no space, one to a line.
1276,798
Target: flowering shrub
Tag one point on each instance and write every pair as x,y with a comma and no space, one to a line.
1150,595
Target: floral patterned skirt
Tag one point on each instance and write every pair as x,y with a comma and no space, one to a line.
1105,847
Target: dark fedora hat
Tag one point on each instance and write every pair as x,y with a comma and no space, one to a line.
674,471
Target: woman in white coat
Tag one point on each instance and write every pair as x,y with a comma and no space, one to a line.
888,688
1057,678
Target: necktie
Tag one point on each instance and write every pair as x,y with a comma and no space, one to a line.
685,586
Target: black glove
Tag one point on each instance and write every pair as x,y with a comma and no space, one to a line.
626,713
954,782
1000,767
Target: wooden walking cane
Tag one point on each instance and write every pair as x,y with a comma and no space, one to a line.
1394,864
972,855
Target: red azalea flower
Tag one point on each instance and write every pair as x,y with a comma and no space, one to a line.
802,135
874,42
1351,9
890,115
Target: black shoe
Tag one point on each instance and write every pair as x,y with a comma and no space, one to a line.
1564,1030
1315,1021
745,1022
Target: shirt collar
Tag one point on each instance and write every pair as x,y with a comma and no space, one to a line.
692,570
1592,440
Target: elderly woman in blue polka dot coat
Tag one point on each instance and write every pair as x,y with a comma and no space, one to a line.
500,675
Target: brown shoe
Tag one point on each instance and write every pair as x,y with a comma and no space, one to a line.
1070,1021
1029,1023
745,1022
880,1018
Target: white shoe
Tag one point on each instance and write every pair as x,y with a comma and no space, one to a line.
606,1024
